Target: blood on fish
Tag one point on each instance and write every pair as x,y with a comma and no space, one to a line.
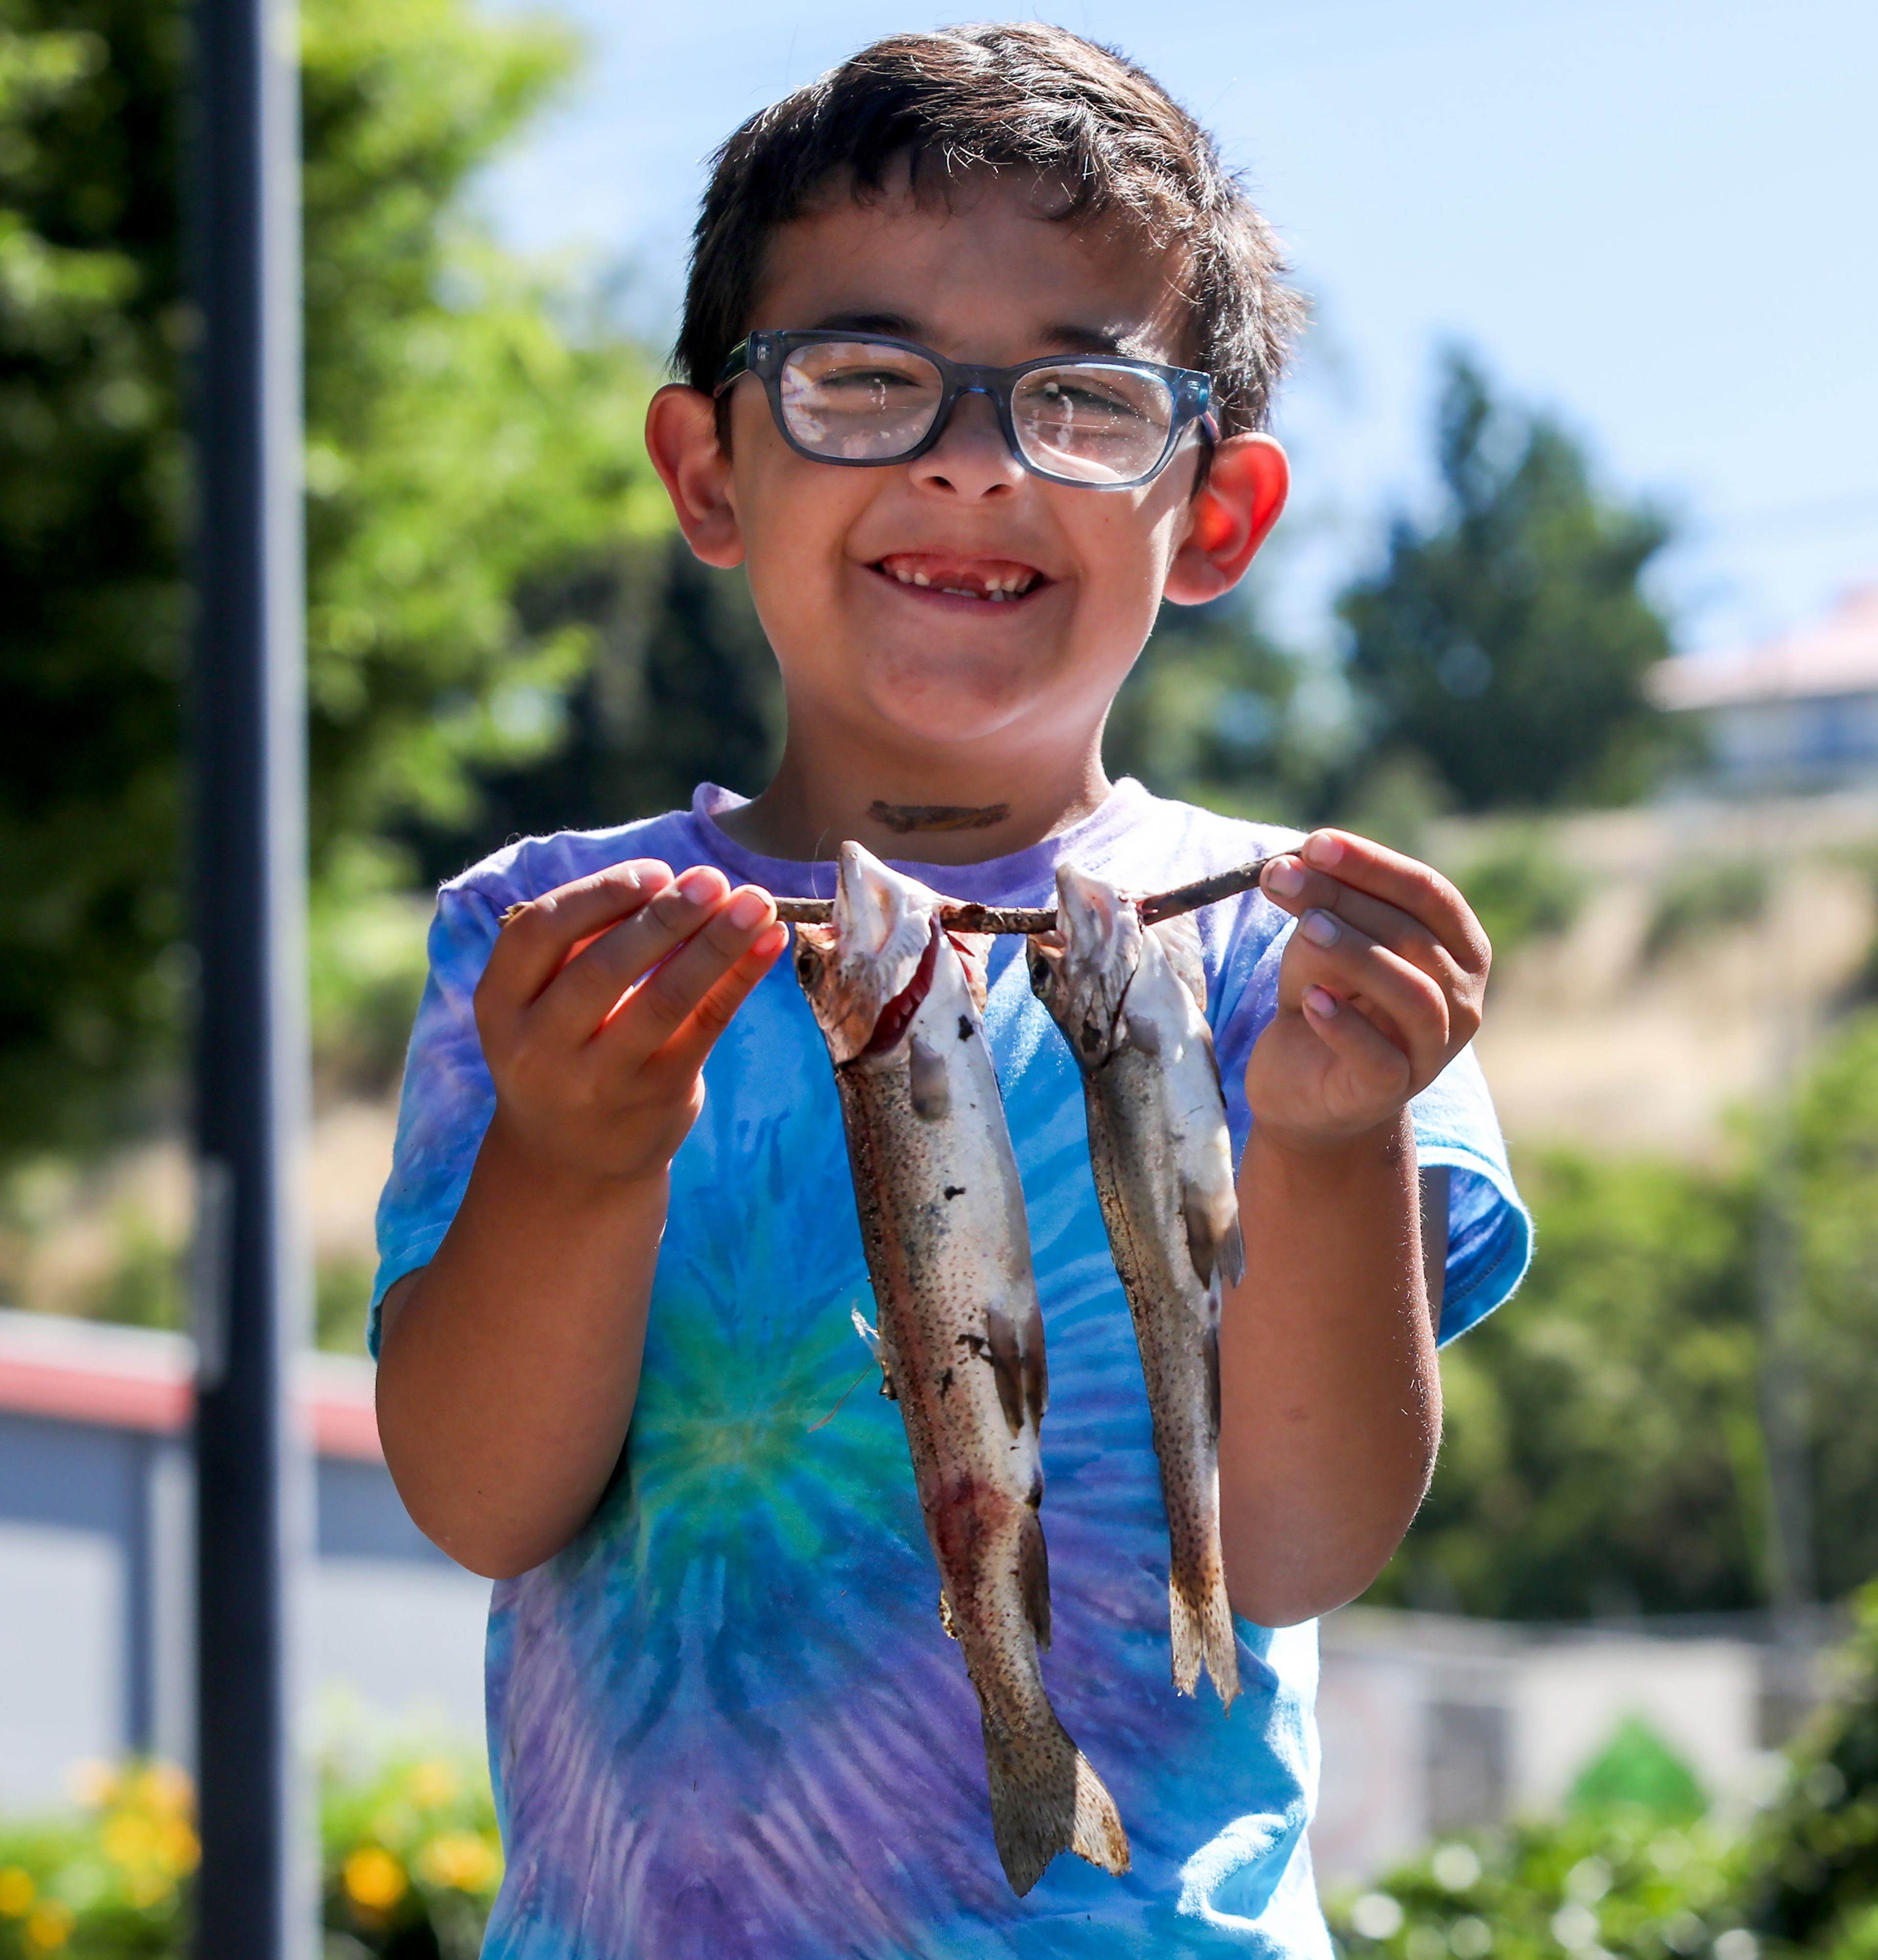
897,1017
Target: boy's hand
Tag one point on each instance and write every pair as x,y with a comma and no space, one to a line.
600,1002
1380,988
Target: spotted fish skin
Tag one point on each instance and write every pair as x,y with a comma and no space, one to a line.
960,1334
1131,1004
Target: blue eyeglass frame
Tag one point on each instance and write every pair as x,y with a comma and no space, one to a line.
764,352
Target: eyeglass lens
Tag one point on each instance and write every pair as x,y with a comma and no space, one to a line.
859,402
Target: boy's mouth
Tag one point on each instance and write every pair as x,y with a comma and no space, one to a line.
996,579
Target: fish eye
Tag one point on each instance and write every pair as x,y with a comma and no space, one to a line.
1041,972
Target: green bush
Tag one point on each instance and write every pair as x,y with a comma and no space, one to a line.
1520,889
1619,1882
1702,899
410,1862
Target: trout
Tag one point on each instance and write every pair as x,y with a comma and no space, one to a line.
1132,1003
961,1335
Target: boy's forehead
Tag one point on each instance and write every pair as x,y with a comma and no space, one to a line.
985,272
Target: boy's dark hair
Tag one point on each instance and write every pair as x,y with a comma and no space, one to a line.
1030,98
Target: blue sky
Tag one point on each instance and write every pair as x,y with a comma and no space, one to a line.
1659,218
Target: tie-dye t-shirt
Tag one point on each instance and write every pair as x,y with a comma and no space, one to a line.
725,1721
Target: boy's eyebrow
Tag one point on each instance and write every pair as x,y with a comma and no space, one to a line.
1064,336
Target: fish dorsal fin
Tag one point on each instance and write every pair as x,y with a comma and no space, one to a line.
1215,1242
1179,939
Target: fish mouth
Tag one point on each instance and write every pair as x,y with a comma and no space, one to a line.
1099,933
989,581
864,971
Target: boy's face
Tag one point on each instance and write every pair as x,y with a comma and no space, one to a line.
831,552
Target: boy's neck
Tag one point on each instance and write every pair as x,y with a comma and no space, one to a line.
936,812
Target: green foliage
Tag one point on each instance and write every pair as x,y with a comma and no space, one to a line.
1835,1139
1636,1771
1704,898
683,689
1520,889
1210,714
1614,1881
1812,1867
410,1862
1602,1448
469,448
1506,642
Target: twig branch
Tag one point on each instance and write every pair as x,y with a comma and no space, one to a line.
959,916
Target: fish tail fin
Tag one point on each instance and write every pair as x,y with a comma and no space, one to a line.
1046,1798
1201,1618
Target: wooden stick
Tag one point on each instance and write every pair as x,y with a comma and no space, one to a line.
959,916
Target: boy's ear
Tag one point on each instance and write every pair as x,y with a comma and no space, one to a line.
682,440
1229,518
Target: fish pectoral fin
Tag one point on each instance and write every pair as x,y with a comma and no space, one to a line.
1215,1242
1007,1364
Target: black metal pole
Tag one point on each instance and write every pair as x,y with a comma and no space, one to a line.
253,1899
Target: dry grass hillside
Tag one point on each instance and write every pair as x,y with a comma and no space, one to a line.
1706,947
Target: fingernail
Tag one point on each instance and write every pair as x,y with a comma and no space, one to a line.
695,888
1323,848
746,909
1286,878
1319,928
1320,1002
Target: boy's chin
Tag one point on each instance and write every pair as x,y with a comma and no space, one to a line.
947,712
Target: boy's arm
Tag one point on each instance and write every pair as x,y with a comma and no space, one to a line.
508,1366
1330,1395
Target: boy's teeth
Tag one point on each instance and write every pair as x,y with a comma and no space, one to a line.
993,579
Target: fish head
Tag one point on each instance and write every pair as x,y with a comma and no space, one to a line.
1081,971
852,969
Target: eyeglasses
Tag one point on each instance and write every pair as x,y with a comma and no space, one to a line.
1101,422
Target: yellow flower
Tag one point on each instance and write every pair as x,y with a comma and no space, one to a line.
432,1784
463,1859
129,1839
50,1925
17,1892
147,1888
374,1878
181,1851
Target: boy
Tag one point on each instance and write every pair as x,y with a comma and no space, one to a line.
620,1247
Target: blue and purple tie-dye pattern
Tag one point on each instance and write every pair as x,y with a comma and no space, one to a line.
725,1720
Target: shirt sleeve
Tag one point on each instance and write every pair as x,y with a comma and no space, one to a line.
447,1098
1489,1230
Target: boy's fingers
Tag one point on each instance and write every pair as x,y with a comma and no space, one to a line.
1410,886
685,1052
1408,1003
584,996
1294,887
655,1011
538,938
1356,1041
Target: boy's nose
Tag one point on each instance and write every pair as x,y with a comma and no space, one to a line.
971,458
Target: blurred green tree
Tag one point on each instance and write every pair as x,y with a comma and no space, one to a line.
1811,1874
1211,713
470,441
1503,643
1603,1449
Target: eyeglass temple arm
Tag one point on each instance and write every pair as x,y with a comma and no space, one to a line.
737,365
